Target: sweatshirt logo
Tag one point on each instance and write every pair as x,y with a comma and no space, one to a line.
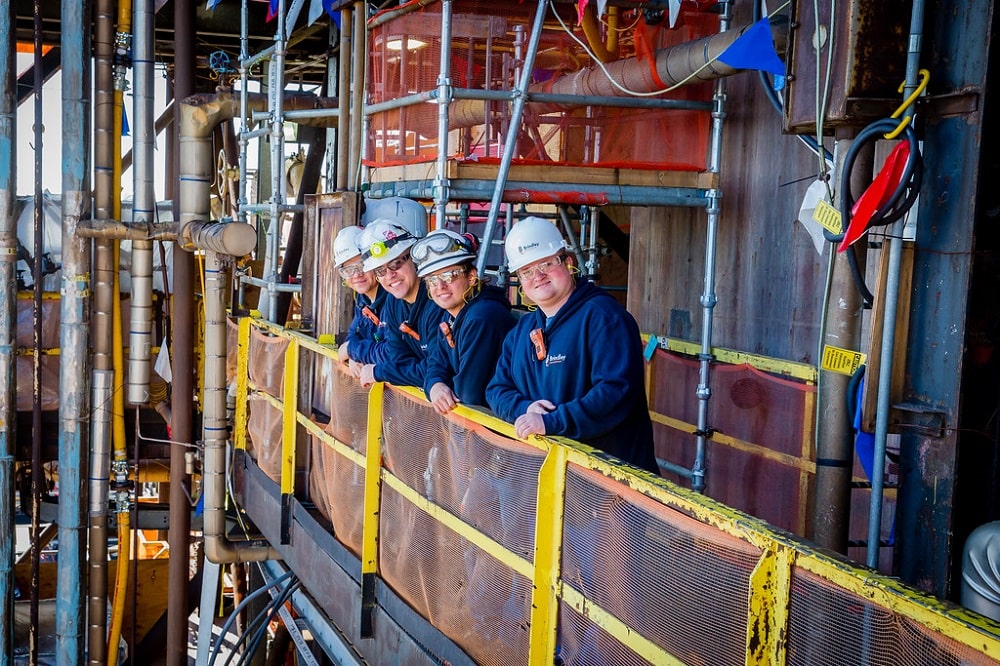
552,360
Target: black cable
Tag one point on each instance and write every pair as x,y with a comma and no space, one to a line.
853,386
236,611
263,621
901,200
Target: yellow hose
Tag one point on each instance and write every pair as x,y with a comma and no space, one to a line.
592,31
118,362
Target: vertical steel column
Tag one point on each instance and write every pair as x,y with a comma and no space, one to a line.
359,65
520,94
708,295
36,358
444,94
344,98
144,205
276,93
889,320
73,338
8,320
101,333
182,368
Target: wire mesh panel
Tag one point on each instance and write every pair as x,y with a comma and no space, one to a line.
264,427
763,435
267,362
340,483
483,479
488,42
831,626
670,578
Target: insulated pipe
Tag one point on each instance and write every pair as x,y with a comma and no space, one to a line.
218,548
891,305
199,116
101,331
73,336
441,193
276,89
143,208
511,141
8,319
359,62
672,66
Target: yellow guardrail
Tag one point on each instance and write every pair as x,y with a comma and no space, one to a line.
767,608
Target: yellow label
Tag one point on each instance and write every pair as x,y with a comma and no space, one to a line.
829,217
844,361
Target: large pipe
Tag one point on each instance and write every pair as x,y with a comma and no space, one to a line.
218,547
74,328
343,95
143,208
182,369
359,62
102,331
441,189
692,62
8,319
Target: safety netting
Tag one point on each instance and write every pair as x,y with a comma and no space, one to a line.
762,433
487,46
648,566
266,363
485,480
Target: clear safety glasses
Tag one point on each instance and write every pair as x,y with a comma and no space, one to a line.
447,277
539,269
437,244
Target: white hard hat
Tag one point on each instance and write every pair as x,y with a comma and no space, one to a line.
345,245
442,248
382,241
407,213
531,239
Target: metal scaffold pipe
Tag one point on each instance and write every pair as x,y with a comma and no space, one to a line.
8,319
74,332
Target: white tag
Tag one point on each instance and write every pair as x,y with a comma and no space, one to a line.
815,194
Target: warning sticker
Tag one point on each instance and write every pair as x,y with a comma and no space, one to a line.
844,361
829,217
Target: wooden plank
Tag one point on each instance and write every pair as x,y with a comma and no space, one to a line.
875,333
548,174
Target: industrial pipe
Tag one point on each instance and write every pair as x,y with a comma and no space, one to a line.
218,548
692,62
143,208
8,321
102,380
441,193
73,339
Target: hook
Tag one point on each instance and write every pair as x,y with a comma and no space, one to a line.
925,76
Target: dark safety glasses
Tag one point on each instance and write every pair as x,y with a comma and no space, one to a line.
393,265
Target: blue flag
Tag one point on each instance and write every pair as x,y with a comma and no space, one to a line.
124,122
212,4
272,9
754,49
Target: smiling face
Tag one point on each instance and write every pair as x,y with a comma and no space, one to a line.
547,282
448,287
399,278
357,279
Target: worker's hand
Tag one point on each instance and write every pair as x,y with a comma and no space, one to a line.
529,423
354,368
342,354
540,407
367,376
442,398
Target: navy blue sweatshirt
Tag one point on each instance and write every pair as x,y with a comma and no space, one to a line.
406,357
366,341
477,333
592,372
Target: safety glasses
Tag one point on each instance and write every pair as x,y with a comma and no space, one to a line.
539,269
393,265
353,270
438,244
447,277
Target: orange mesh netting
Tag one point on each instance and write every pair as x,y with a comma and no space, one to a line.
829,626
759,410
337,484
679,583
489,482
264,427
404,59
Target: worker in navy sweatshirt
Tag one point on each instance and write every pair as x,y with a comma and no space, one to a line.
366,339
574,367
411,318
463,356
